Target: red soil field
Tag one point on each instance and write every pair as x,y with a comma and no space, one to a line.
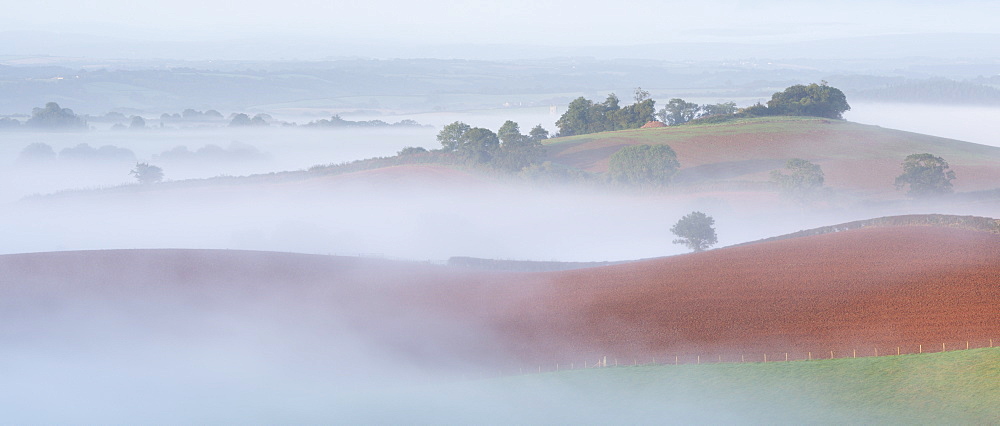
854,157
866,289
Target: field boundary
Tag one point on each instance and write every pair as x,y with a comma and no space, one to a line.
758,357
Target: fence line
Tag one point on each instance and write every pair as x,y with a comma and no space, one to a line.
696,359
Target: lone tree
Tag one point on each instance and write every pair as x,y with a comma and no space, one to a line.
814,100
644,165
927,175
146,173
804,181
695,231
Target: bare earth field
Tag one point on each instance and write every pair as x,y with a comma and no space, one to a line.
866,289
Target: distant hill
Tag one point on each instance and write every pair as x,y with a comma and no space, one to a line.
854,157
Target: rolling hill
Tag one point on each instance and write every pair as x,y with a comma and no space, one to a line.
905,288
855,157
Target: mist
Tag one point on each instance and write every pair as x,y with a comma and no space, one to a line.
976,124
260,283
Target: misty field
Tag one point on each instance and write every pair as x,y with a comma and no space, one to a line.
391,212
951,387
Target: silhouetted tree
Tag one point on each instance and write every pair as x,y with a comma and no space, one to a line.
695,231
55,118
240,120
137,123
926,175
803,182
36,153
146,173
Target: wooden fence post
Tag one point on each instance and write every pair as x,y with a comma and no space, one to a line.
920,348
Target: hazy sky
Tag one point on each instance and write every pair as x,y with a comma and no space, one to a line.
558,22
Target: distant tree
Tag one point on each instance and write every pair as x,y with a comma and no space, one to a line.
190,114
643,165
244,120
240,120
36,153
576,119
260,120
137,122
756,110
85,152
585,116
450,136
927,175
636,115
53,117
9,123
726,108
478,145
803,182
146,173
695,231
411,150
509,133
814,100
517,151
678,111
640,95
538,133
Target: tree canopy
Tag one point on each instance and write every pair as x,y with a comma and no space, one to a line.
926,174
53,117
146,173
803,182
643,165
678,111
814,100
584,116
695,231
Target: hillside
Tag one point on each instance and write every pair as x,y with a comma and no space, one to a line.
854,157
866,289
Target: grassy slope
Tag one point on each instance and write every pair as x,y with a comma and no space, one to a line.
853,156
951,387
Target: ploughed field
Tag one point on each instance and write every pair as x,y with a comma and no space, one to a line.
866,289
854,157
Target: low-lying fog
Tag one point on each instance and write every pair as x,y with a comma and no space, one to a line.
421,219
976,124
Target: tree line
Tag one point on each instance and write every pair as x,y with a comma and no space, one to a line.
585,116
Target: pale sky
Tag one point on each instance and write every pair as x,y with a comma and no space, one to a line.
559,22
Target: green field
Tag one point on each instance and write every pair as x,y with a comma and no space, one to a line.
959,387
